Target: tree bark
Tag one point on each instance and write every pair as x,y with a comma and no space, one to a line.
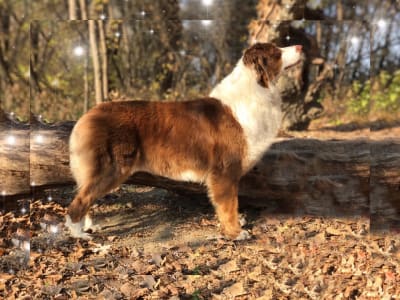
72,9
103,55
339,10
301,175
82,5
14,156
95,60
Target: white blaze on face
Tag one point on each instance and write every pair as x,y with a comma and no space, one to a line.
290,56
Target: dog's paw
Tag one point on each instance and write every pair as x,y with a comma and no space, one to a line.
242,220
243,235
76,229
88,224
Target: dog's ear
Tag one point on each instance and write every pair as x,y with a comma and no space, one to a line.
261,67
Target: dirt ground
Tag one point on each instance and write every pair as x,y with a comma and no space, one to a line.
157,245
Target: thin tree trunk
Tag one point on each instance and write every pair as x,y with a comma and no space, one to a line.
339,10
319,33
72,9
86,86
341,62
103,55
82,5
95,61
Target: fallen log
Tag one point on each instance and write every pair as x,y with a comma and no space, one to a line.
324,177
14,156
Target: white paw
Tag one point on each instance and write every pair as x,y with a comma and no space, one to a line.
76,229
243,235
88,224
242,220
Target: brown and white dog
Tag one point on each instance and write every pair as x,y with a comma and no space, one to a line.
213,140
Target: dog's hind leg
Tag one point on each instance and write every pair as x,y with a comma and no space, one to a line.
97,186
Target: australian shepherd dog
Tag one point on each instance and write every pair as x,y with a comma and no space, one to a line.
213,140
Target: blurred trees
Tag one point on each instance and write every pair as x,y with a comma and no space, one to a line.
176,50
336,36
14,57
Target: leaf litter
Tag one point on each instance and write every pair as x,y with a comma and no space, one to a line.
168,255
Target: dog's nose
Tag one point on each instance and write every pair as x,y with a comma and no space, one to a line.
298,48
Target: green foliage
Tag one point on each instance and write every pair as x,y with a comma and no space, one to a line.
196,271
196,295
387,95
380,95
360,101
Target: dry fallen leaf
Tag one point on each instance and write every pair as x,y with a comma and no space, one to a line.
332,231
158,260
149,282
230,266
255,274
127,289
234,290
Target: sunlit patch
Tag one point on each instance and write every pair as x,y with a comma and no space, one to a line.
382,24
79,51
206,22
207,2
11,140
355,40
39,139
53,228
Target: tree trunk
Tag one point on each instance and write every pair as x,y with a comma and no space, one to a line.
301,175
72,9
339,10
82,5
14,156
103,55
95,61
86,85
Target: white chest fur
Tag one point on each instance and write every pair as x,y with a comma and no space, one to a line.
257,109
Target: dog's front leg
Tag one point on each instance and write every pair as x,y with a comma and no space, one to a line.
223,193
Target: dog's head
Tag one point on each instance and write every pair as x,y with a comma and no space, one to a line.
269,61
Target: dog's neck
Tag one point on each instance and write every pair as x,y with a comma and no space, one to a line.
257,109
